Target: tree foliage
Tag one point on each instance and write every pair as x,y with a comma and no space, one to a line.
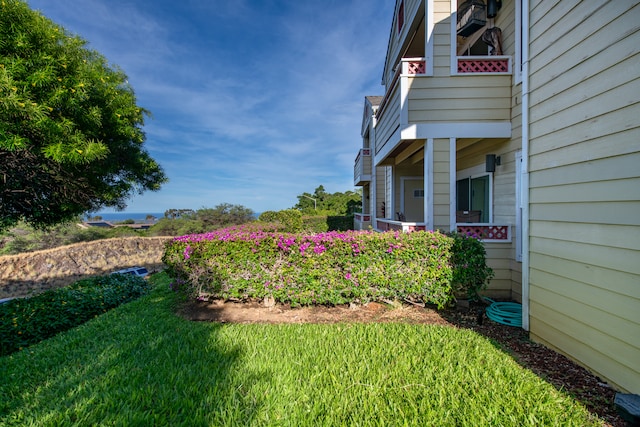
178,222
321,202
71,137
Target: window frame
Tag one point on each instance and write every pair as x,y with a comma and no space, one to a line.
400,17
474,173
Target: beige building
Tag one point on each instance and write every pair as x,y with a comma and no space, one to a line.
518,120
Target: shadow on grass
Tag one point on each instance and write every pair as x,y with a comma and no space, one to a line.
558,370
136,365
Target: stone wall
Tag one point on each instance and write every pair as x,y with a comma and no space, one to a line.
33,272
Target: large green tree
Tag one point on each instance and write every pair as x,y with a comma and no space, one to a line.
71,137
321,202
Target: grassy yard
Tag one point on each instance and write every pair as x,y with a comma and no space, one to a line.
141,365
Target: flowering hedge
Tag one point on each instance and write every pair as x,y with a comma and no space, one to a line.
326,268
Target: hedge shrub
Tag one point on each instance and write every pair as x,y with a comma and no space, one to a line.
325,268
292,221
289,220
471,274
26,321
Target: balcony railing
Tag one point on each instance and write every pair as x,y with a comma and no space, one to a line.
361,221
408,66
486,232
390,225
362,167
484,65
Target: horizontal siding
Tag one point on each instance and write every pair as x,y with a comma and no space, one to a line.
459,99
620,190
547,155
588,298
506,21
585,32
604,169
396,39
590,109
499,259
577,340
589,214
589,275
614,258
389,122
585,184
562,93
441,187
516,280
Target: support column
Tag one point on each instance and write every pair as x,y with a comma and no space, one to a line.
428,184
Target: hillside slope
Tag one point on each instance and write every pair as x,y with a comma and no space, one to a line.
34,272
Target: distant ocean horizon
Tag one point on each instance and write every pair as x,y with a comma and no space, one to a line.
136,216
123,216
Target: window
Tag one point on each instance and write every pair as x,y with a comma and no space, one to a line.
473,198
418,194
400,18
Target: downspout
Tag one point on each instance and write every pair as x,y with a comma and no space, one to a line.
525,165
373,186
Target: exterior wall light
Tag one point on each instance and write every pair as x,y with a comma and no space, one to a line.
491,162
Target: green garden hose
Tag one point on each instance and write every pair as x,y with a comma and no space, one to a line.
507,313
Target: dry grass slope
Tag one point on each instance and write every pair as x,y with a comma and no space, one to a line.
34,272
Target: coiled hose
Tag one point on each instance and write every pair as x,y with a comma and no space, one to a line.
507,313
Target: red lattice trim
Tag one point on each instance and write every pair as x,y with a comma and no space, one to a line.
483,65
486,232
416,67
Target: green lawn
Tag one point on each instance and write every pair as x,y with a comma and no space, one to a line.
142,365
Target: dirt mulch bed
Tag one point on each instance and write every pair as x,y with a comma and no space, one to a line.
553,367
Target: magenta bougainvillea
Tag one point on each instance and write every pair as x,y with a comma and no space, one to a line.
250,262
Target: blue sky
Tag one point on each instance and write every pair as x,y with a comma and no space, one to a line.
252,102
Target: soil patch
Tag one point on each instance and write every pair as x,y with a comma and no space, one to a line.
555,368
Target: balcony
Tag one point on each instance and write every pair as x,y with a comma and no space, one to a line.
362,168
418,106
361,221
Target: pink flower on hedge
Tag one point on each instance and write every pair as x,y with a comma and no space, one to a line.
318,249
187,252
303,247
347,276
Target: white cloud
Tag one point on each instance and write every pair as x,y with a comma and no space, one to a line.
253,102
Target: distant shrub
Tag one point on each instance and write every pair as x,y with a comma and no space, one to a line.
340,223
27,321
315,224
289,220
323,223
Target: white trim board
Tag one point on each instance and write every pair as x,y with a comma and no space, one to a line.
456,130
